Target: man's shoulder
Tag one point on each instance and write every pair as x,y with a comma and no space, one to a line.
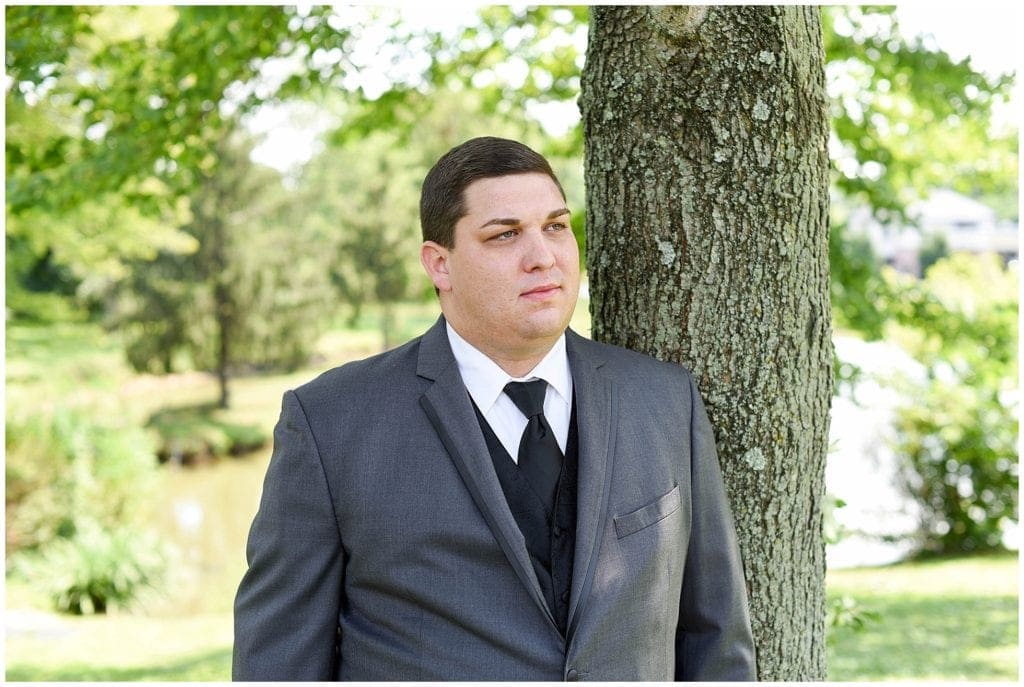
641,380
357,377
627,362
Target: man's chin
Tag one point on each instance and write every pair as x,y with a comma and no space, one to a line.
547,324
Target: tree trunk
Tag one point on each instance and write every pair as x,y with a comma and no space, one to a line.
707,244
387,323
223,348
222,308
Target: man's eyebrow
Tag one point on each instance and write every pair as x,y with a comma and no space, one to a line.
512,221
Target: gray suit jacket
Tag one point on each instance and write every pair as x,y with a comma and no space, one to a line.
384,549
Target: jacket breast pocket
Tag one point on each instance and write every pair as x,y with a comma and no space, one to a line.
653,512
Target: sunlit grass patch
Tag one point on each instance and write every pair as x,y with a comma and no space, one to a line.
123,648
937,620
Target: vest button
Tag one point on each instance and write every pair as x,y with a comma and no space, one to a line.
573,675
557,531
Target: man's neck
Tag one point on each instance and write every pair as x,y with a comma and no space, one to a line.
516,367
516,362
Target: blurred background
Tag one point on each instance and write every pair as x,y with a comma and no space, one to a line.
206,206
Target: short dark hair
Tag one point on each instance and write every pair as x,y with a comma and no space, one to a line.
442,199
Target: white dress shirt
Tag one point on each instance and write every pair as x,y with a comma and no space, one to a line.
486,381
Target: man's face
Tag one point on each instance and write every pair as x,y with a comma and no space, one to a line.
509,285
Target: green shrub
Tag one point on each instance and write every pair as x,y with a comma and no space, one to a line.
959,442
957,430
75,488
65,468
97,568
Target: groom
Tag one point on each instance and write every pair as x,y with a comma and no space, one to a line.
500,498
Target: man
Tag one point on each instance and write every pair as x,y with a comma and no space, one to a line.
499,499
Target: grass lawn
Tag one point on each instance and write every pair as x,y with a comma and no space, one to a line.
946,620
938,620
122,648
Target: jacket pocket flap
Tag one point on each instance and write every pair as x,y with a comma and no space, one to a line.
659,509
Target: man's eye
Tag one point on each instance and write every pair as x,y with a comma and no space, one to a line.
557,226
505,235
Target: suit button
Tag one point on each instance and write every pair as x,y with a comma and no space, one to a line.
565,596
557,531
573,675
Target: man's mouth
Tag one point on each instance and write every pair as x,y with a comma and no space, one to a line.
541,292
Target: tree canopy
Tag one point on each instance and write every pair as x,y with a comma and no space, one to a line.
113,113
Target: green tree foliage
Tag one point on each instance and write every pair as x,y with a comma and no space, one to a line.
933,248
113,114
153,89
57,249
516,60
958,427
906,118
855,281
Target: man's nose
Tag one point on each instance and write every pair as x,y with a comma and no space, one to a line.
538,251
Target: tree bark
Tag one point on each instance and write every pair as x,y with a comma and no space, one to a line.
707,244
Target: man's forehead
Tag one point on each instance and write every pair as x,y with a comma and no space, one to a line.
532,189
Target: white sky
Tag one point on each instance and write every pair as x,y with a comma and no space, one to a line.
988,32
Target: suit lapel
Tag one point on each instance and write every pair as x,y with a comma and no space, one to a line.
596,406
447,405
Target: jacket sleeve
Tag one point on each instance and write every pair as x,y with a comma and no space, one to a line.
713,638
286,609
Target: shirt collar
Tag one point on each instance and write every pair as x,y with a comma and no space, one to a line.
485,380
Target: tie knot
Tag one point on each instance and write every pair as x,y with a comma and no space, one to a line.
528,396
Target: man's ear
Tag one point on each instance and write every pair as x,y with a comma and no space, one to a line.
434,257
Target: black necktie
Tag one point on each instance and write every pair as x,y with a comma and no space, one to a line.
540,459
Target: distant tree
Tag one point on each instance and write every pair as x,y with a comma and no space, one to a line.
254,293
363,208
934,247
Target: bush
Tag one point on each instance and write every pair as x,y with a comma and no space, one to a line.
65,468
962,465
75,488
958,429
96,568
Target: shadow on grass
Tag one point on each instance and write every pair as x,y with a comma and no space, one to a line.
209,666
950,638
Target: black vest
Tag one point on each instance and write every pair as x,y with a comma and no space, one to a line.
550,539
